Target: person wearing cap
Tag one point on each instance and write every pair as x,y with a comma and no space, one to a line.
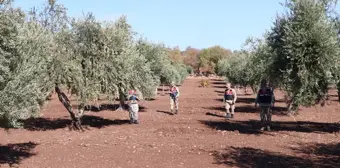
133,106
174,94
266,99
229,99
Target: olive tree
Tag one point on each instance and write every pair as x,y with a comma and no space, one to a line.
24,50
305,47
89,57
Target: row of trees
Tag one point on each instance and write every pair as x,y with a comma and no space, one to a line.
300,54
205,60
42,51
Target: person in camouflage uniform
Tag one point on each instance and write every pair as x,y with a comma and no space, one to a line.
266,99
229,99
133,106
174,94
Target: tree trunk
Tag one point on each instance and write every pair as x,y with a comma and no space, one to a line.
253,88
66,102
323,100
163,90
338,87
49,97
81,110
292,108
121,101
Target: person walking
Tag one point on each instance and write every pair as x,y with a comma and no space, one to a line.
266,99
133,106
174,94
229,99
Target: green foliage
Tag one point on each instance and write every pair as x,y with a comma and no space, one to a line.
336,72
301,55
45,49
190,69
156,55
182,71
233,68
209,57
24,53
248,66
306,50
164,68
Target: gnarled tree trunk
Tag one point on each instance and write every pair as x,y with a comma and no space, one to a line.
254,89
121,100
163,90
338,87
76,120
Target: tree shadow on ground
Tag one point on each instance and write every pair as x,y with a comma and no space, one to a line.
111,107
332,95
280,101
219,91
220,99
165,112
166,89
246,100
328,155
215,115
219,86
320,149
216,108
14,153
102,107
245,157
218,83
45,124
306,126
150,99
253,126
216,80
230,125
279,111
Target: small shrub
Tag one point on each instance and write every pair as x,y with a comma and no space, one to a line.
205,83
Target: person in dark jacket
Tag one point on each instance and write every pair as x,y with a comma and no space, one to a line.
266,99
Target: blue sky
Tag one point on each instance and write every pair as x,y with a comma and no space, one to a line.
195,23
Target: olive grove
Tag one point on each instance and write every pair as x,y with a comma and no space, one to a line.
46,51
299,55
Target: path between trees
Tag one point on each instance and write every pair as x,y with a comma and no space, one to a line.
198,137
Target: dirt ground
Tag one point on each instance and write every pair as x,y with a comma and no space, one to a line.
199,136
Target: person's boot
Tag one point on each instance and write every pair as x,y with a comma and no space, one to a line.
176,112
227,115
136,122
232,116
268,127
131,121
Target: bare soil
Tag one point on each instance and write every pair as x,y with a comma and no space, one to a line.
199,136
